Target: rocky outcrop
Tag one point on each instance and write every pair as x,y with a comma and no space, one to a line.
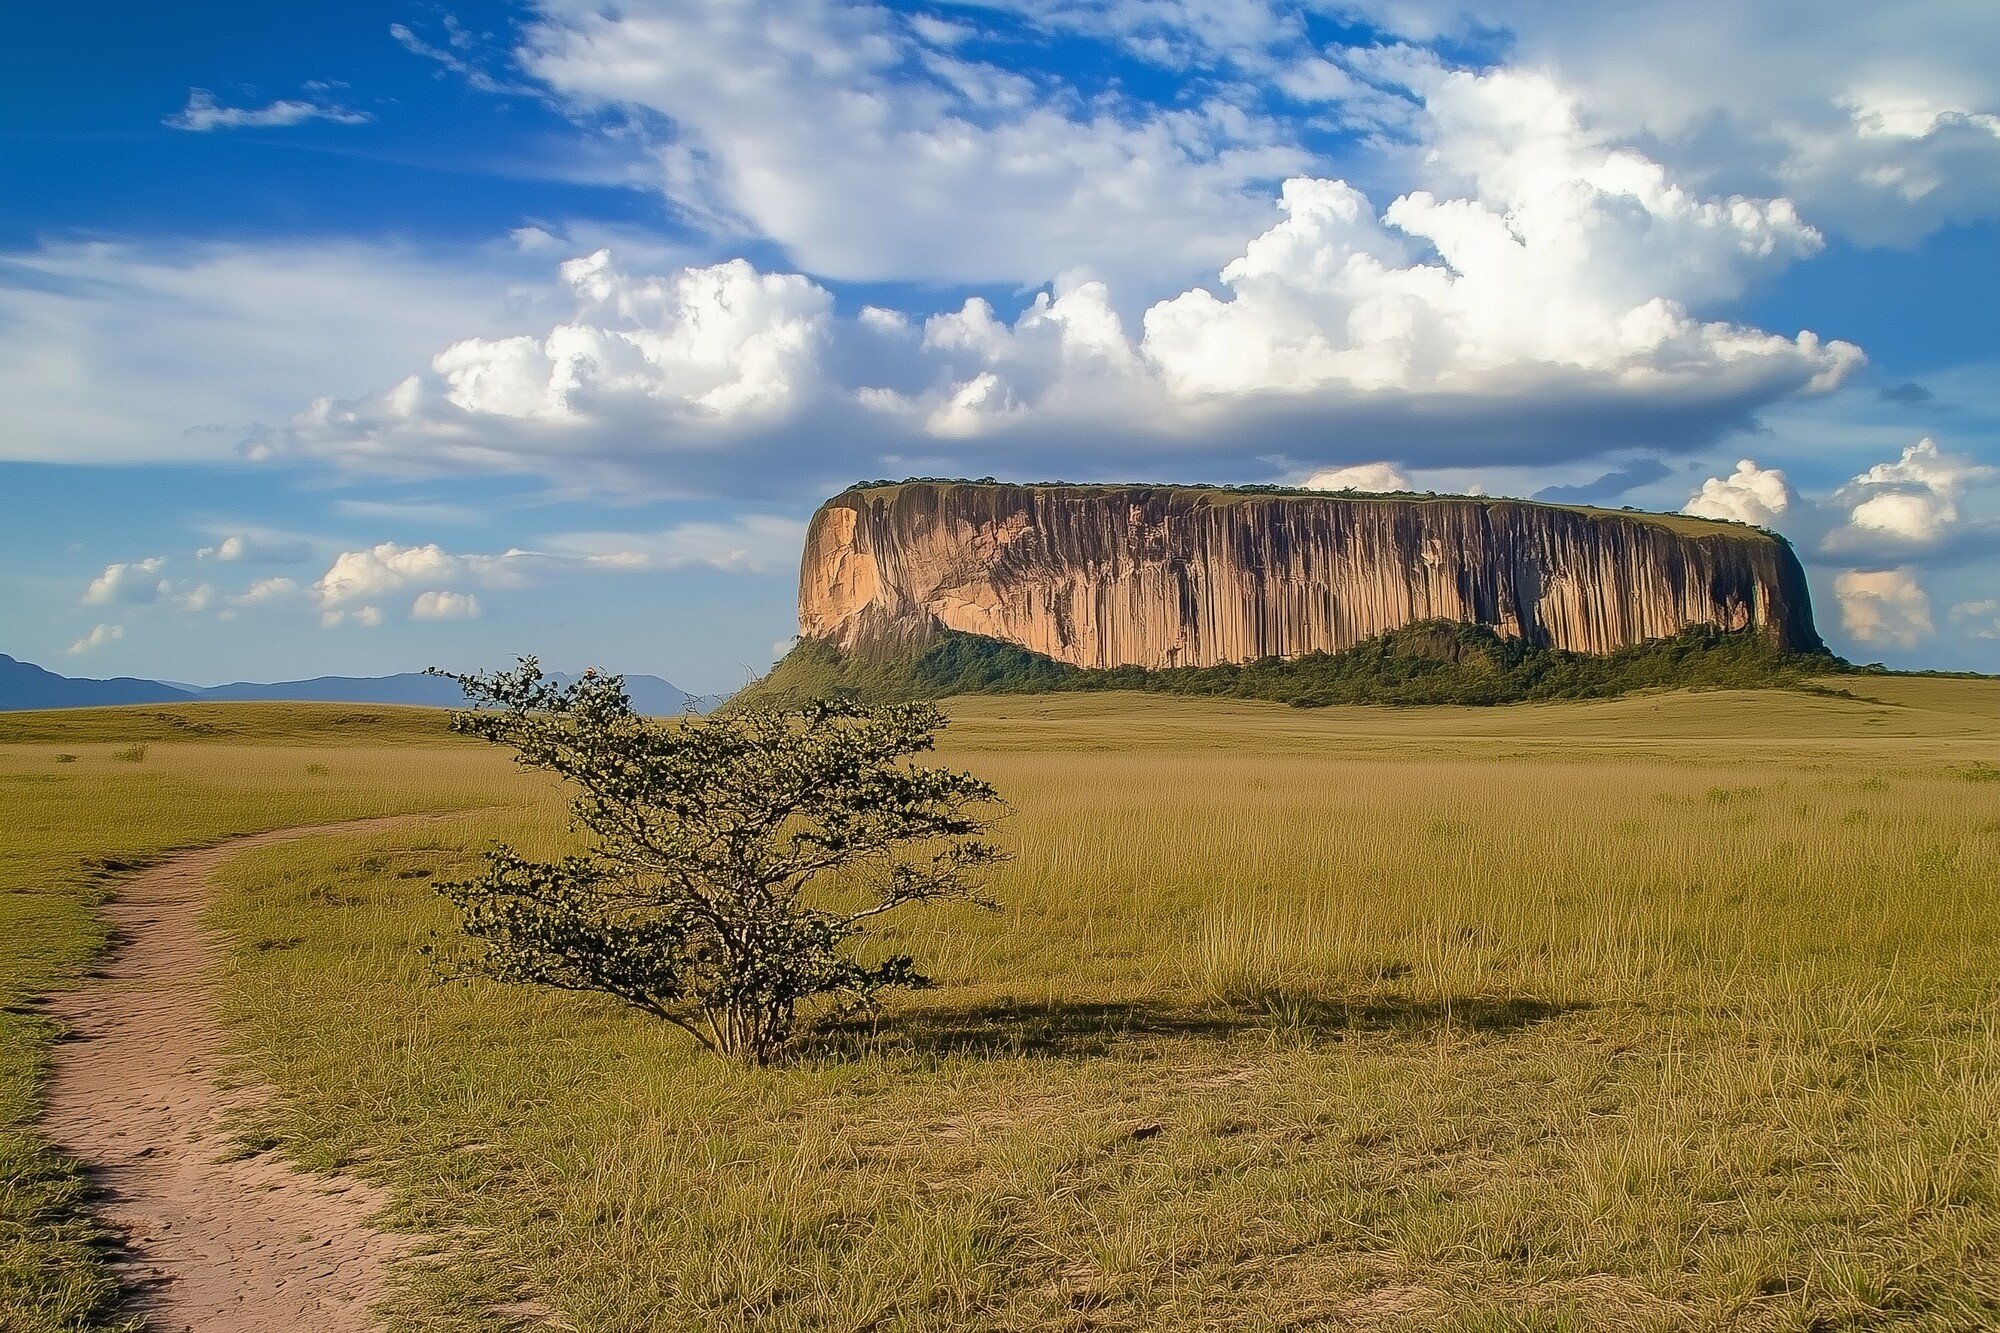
1159,576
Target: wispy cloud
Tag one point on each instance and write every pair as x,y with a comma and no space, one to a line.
466,54
204,113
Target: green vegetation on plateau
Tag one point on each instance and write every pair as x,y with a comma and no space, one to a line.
1667,1012
1435,662
1687,525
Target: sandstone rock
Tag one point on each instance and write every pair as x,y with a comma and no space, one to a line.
1157,576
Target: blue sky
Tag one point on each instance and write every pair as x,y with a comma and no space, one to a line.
359,337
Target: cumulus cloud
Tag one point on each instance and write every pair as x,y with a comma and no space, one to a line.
357,581
97,638
719,342
265,592
367,617
1560,253
371,573
203,113
445,605
1885,606
1751,494
194,598
1912,502
131,582
1878,120
257,548
1360,477
1552,318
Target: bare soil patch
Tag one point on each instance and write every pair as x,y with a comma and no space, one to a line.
213,1240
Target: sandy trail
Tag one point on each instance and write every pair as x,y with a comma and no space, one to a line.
219,1246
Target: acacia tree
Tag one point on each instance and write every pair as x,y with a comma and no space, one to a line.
701,895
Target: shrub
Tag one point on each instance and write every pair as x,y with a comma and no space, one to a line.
700,896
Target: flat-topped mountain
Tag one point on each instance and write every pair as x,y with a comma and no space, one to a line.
1180,576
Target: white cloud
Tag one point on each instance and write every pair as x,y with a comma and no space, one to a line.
1563,252
132,582
127,353
1878,120
462,54
718,342
1751,494
1883,607
1538,303
357,575
1912,501
440,605
203,113
368,617
754,543
97,638
1376,477
364,575
256,548
266,591
1911,516
1928,467
870,149
195,599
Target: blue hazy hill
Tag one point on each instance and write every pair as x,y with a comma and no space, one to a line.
24,685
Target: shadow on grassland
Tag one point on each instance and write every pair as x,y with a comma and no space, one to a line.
1066,1030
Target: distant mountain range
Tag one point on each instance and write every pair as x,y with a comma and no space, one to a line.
25,685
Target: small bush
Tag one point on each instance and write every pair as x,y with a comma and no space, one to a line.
131,754
702,894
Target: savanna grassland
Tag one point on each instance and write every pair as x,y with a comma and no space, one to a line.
87,795
1667,1012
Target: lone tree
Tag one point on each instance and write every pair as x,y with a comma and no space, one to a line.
731,864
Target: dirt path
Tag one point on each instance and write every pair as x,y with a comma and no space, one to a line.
245,1246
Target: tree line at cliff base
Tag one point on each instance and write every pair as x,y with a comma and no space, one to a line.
1431,662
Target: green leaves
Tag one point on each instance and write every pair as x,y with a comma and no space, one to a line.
703,837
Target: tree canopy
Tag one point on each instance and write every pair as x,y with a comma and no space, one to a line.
731,863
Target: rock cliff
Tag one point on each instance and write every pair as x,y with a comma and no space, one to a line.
1159,576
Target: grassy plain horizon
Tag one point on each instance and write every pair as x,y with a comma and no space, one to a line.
1666,1012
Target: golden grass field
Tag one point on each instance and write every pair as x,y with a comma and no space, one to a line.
1671,1012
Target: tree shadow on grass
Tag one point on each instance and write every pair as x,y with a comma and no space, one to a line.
1074,1029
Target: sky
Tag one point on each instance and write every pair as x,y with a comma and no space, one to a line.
358,337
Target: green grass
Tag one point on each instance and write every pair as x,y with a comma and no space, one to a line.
1664,1012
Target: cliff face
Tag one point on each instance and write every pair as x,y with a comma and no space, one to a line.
1102,576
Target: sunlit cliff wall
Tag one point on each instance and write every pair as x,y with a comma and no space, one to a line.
1157,576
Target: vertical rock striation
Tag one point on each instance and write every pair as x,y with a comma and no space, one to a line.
1158,576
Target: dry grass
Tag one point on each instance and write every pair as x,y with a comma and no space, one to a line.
84,797
1664,1013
